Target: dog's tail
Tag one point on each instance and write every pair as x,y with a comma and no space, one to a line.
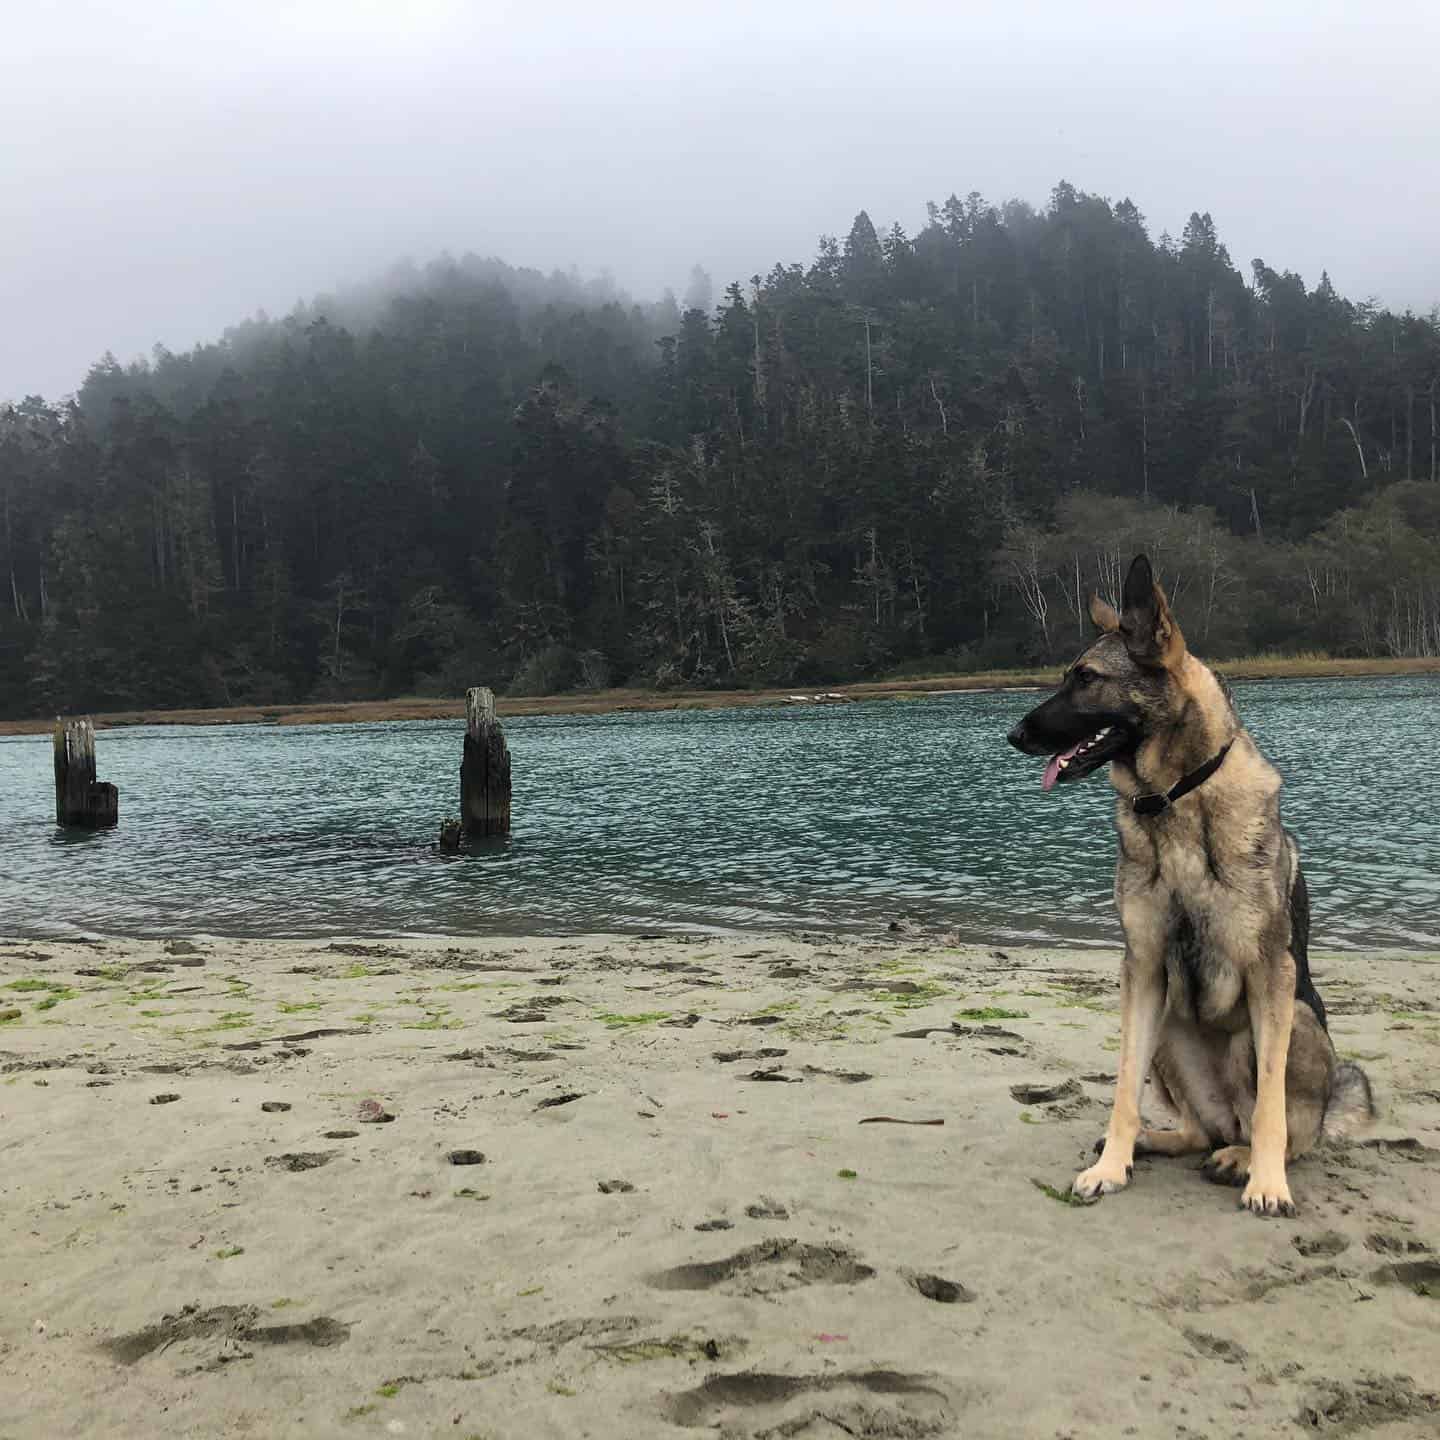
1351,1107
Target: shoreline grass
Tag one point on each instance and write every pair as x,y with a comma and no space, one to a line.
605,702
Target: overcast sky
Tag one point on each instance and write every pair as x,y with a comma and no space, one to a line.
168,167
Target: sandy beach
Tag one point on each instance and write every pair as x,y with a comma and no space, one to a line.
614,1187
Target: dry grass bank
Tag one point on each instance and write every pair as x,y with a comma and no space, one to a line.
604,702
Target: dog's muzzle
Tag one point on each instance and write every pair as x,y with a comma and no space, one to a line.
1019,737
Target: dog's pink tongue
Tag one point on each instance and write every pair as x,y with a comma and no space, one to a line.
1052,767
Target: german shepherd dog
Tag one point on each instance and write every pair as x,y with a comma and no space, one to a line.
1217,1007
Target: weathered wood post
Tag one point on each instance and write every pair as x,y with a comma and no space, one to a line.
80,799
485,770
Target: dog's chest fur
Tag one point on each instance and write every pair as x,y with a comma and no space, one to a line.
1203,884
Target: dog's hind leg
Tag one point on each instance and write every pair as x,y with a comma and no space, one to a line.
1188,1077
1186,1139
1308,1074
1187,1135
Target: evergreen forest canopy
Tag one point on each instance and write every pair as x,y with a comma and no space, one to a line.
913,453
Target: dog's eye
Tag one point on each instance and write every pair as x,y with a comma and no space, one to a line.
1084,676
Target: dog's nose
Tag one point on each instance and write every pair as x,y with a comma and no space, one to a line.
1017,736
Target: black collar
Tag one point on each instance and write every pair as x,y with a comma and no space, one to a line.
1154,804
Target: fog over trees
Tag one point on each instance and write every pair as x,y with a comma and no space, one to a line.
913,452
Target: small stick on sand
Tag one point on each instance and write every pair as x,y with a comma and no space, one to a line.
893,1120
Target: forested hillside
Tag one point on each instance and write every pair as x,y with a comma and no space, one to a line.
910,451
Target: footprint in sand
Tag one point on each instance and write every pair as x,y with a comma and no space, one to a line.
845,1077
1216,1347
791,1404
945,1292
221,1322
1396,1245
767,1209
1043,1094
774,1265
1367,1404
1325,1244
1422,1277
965,1032
300,1160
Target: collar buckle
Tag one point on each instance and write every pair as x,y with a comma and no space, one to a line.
1156,804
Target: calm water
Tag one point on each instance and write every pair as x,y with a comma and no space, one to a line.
839,817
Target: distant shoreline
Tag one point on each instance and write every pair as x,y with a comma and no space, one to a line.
608,702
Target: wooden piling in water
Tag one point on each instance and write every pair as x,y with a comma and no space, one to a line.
80,799
485,770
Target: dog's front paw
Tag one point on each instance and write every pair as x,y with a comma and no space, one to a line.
1267,1197
1101,1179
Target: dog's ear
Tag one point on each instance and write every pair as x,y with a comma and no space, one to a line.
1151,635
1102,613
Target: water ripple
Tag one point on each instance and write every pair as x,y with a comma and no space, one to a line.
834,818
